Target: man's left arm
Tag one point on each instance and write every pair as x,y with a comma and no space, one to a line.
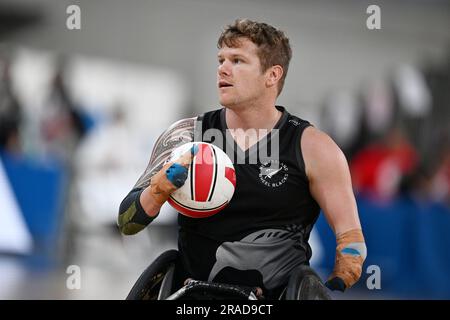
330,184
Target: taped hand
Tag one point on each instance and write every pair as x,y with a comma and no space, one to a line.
172,176
351,252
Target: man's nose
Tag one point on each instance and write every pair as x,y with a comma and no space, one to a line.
224,68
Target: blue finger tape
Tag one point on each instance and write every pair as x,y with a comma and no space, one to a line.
177,174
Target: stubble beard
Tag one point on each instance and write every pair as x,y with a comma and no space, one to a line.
232,103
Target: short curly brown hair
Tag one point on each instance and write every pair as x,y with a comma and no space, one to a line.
273,45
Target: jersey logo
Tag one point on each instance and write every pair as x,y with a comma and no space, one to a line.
270,172
273,173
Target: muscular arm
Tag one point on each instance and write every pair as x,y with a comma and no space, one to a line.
330,184
329,180
137,209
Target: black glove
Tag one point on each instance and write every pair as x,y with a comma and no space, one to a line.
336,284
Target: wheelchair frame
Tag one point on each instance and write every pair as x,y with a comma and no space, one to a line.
156,282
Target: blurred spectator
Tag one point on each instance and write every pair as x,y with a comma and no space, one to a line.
415,105
438,80
10,111
430,182
440,183
379,108
377,170
106,165
62,126
342,119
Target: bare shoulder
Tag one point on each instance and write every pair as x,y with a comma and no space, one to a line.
321,154
177,134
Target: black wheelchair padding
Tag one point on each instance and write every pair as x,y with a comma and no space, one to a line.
156,283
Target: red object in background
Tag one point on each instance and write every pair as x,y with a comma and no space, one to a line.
378,168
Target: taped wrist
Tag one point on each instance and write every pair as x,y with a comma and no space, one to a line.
351,252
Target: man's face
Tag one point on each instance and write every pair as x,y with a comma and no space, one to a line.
239,77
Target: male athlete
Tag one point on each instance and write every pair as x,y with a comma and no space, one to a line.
262,235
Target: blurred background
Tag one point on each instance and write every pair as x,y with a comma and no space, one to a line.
81,109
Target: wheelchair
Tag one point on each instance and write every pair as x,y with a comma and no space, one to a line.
157,283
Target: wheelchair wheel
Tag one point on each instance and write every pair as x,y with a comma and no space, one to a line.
305,284
155,282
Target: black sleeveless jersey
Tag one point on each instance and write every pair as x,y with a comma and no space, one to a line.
263,233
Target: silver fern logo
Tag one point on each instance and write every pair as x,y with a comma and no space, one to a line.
273,173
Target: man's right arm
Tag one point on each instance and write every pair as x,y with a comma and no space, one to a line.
138,208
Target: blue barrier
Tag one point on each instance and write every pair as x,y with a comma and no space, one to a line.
40,189
410,242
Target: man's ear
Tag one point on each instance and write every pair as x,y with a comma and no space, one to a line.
273,75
